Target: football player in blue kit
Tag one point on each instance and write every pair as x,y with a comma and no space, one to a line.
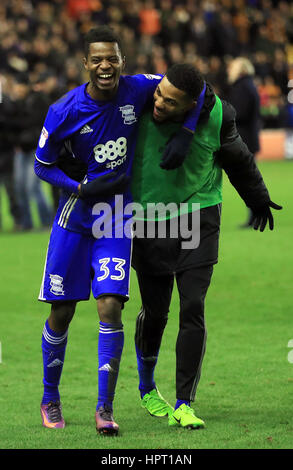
97,123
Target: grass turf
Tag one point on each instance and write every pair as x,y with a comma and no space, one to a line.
245,391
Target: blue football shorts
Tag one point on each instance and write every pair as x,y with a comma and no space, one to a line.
76,263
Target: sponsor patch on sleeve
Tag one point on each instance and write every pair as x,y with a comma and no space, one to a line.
152,77
44,136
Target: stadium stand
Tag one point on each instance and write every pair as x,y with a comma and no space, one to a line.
45,37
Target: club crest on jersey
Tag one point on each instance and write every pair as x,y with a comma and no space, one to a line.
56,284
128,114
150,76
44,136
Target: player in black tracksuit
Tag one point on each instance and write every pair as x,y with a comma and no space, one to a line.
158,262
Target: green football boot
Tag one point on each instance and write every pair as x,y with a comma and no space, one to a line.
156,405
184,416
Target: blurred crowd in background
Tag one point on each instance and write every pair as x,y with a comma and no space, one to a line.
41,52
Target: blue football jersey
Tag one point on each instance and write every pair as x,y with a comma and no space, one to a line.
100,133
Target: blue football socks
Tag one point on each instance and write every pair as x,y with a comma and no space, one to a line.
111,342
146,369
180,402
53,348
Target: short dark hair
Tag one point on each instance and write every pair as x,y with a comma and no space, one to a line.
187,78
101,34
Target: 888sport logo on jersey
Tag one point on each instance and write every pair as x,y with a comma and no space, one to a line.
113,152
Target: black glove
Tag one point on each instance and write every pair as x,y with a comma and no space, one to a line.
176,149
72,167
261,215
105,186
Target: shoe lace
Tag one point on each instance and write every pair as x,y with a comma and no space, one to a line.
54,411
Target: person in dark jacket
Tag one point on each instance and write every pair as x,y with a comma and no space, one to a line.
162,261
46,91
7,158
244,97
28,118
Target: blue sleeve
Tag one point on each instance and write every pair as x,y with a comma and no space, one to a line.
56,177
146,85
49,145
192,117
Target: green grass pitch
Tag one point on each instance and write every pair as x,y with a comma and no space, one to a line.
246,387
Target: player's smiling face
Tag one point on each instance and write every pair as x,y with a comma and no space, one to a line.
104,64
170,103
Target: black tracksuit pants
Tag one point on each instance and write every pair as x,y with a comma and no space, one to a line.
192,270
191,340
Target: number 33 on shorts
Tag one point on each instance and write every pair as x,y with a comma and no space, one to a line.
111,276
118,268
110,262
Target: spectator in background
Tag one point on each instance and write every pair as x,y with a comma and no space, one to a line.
76,7
73,77
200,35
271,108
262,64
159,60
46,91
216,75
28,118
264,42
224,35
150,21
280,70
243,95
131,17
7,154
